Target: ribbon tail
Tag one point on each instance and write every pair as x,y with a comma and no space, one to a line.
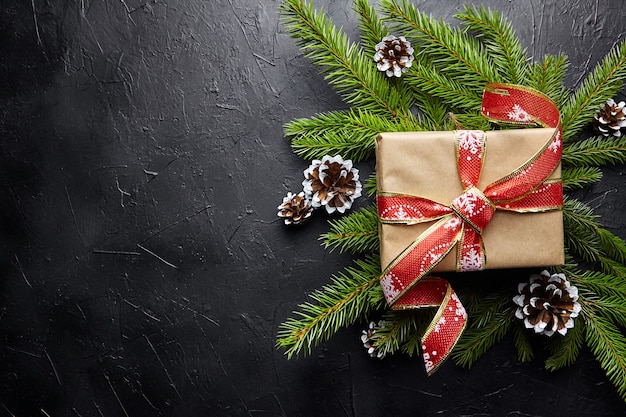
419,259
447,326
471,253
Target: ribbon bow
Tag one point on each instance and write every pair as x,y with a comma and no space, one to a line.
460,224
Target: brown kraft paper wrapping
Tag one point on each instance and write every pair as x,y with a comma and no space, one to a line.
424,164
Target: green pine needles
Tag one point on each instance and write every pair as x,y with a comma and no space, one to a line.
452,65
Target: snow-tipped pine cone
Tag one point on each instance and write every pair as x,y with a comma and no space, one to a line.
547,303
332,183
394,55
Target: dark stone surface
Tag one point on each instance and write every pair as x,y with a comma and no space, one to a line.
143,272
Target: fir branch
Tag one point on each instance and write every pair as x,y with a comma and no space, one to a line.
590,240
579,177
434,111
525,351
370,185
601,84
491,320
357,232
426,78
608,346
500,42
614,308
565,350
353,74
595,151
372,28
398,328
596,285
547,76
473,121
350,296
613,245
456,54
475,342
350,133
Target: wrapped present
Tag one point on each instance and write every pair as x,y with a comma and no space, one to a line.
468,200
424,164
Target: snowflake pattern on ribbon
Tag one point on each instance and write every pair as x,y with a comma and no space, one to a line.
472,261
389,284
471,140
518,114
555,146
466,202
460,312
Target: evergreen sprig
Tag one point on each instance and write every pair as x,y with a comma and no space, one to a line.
608,345
602,83
547,76
500,42
348,133
351,295
596,151
356,233
451,67
579,177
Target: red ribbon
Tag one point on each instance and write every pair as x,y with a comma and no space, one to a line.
460,223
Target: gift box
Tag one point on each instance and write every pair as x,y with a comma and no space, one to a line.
424,164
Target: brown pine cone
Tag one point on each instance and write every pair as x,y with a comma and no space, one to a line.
295,209
547,304
332,183
394,55
610,119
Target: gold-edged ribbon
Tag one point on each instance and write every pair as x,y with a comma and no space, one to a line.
459,224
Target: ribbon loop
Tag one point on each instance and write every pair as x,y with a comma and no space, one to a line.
461,223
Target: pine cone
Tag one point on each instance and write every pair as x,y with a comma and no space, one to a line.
610,119
332,183
366,338
547,304
295,209
394,55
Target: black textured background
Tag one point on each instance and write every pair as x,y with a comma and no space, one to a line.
143,272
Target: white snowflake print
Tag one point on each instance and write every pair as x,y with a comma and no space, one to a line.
466,202
398,212
472,261
460,310
471,140
401,214
556,143
388,283
519,115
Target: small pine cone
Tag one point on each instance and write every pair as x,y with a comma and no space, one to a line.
394,55
332,183
366,339
547,304
295,209
610,119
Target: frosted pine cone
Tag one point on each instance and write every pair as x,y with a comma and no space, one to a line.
332,183
295,209
610,119
394,55
366,338
547,304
